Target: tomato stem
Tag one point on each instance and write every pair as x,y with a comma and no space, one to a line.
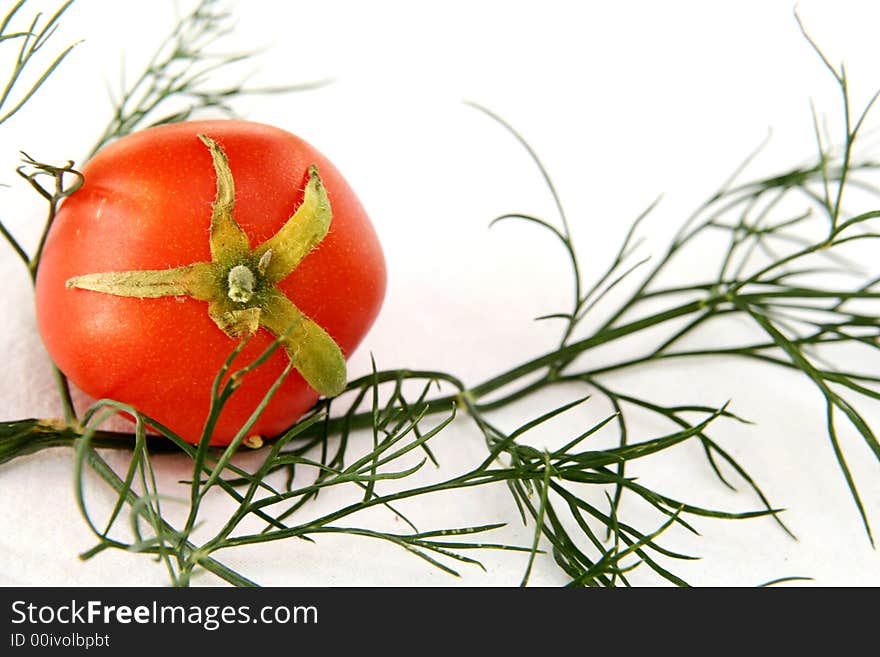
241,281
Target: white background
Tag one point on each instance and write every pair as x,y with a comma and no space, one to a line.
623,101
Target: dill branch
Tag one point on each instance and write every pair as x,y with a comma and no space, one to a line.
175,84
30,41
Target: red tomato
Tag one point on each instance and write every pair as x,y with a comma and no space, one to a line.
146,204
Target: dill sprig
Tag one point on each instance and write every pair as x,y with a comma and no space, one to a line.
399,432
766,275
30,40
177,82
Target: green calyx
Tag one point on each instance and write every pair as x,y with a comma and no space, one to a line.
240,284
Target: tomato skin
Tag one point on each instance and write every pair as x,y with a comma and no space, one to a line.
146,204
